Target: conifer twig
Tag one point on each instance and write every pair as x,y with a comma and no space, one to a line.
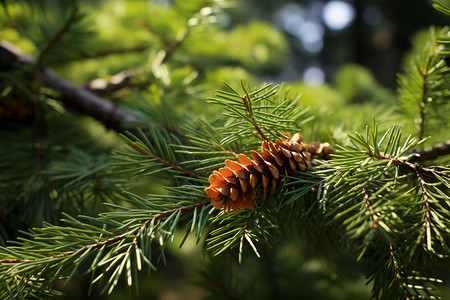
408,166
373,215
423,99
156,219
174,130
57,37
162,161
117,50
397,270
175,45
427,210
250,114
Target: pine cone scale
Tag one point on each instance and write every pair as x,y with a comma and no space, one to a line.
286,152
244,185
253,180
273,170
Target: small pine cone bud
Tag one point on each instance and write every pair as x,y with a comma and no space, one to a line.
234,185
321,150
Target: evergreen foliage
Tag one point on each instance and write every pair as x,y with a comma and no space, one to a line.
370,203
423,83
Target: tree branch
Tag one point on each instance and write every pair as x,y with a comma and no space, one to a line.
408,166
167,163
157,218
427,223
433,152
78,98
369,206
86,102
250,114
423,99
101,86
59,34
398,274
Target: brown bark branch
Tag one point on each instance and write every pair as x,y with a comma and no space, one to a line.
101,86
409,166
78,98
87,102
115,51
433,152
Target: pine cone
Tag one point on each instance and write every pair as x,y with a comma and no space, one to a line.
234,185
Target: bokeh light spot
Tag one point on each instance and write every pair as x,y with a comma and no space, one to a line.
313,76
338,14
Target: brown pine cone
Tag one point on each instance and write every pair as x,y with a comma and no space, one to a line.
234,185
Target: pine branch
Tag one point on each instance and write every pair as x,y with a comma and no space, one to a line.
170,49
263,112
118,50
423,86
383,200
427,225
162,161
154,221
371,210
86,102
117,82
423,101
253,120
121,80
397,273
73,17
432,152
76,97
43,256
416,169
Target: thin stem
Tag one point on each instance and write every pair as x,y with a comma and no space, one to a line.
57,37
433,152
170,49
175,45
427,224
156,219
163,161
253,120
408,166
374,224
182,209
244,230
397,270
173,129
423,101
423,98
419,171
